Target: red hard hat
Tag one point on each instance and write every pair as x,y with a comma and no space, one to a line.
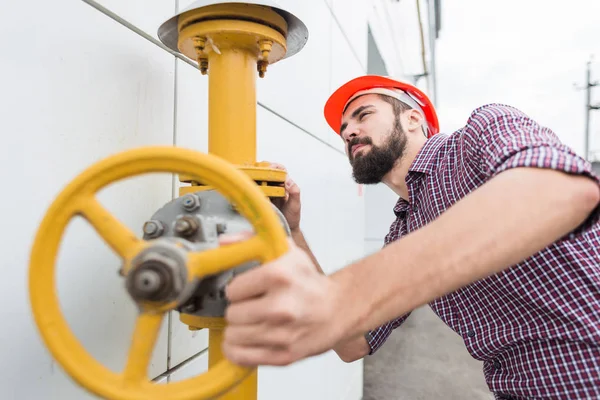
336,104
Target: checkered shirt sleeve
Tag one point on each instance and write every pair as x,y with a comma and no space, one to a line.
377,337
500,137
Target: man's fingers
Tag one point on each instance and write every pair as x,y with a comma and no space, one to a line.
260,334
269,308
291,187
252,283
252,311
247,356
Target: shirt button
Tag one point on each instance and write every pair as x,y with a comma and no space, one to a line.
471,334
496,364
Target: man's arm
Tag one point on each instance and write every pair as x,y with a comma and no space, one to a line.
508,219
348,350
286,311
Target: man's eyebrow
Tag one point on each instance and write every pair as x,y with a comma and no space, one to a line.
354,115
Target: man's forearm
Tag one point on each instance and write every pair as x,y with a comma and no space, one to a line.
300,241
348,350
508,219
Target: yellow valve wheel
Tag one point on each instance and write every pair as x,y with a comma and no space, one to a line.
78,198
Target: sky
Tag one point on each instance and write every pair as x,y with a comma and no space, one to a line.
530,54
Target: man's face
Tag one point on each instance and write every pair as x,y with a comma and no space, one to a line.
373,138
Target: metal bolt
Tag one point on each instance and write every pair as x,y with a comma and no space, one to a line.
186,226
265,49
199,43
221,227
153,228
147,282
203,66
262,68
190,202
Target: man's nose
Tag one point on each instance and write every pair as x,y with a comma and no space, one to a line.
350,132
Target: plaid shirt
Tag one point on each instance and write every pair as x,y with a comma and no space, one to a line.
536,325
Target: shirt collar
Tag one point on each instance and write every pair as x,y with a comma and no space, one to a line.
426,159
425,162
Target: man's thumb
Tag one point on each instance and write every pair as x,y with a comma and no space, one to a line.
292,188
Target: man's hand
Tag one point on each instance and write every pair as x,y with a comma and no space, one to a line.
280,312
290,204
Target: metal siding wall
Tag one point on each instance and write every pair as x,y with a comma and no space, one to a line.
87,87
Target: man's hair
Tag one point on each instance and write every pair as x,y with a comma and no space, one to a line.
398,106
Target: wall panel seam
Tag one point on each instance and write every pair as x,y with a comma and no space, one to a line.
182,364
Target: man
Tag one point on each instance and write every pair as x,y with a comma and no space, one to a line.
497,228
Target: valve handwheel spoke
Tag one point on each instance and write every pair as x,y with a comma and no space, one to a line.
144,338
156,272
119,237
217,260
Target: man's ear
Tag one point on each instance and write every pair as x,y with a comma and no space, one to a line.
415,120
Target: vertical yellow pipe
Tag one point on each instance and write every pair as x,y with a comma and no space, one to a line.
232,105
246,390
232,136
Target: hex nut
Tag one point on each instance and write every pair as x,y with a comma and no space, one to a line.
190,202
153,228
162,263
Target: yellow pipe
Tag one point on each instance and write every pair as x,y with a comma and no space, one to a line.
248,388
232,105
229,50
232,135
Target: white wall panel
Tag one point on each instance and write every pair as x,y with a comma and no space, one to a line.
395,27
147,15
351,16
322,377
297,87
191,131
192,108
344,67
379,213
81,89
185,343
194,368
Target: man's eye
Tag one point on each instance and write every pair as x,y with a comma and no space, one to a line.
362,115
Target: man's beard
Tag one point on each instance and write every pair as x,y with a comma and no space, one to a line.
371,167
